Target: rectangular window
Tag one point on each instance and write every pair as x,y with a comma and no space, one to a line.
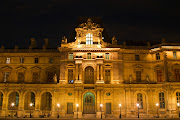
107,56
21,60
21,77
50,60
138,76
35,77
36,60
178,97
107,77
174,55
8,60
137,57
48,100
50,76
159,76
161,100
176,75
88,55
6,77
157,56
70,56
70,76
140,100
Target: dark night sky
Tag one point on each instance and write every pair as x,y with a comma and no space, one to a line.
147,20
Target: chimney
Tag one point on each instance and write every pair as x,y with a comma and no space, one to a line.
33,42
46,42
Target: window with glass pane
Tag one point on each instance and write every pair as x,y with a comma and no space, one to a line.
36,60
8,60
35,77
21,60
21,76
88,55
178,97
48,100
17,100
138,76
174,55
107,76
70,76
140,100
50,76
1,99
33,98
161,100
176,75
89,39
159,76
107,56
6,76
70,56
136,57
157,56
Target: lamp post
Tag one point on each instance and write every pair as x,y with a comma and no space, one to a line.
12,105
138,109
77,105
120,111
58,105
157,110
101,105
178,109
30,109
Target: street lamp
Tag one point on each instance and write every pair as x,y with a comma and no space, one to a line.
101,105
12,105
120,110
157,110
178,109
77,105
138,109
58,105
31,104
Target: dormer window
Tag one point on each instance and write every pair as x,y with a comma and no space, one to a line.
89,39
88,55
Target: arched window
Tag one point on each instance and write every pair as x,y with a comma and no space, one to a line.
161,100
140,100
89,39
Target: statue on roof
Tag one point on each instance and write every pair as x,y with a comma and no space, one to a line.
114,41
64,40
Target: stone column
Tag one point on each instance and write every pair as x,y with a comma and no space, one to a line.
101,72
80,104
97,72
37,105
4,105
76,72
80,72
76,102
98,112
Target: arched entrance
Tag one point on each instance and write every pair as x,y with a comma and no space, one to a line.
89,103
89,75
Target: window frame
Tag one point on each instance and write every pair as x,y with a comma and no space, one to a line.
137,57
8,60
36,60
71,56
162,100
107,56
158,56
159,76
88,55
140,100
174,55
21,60
89,39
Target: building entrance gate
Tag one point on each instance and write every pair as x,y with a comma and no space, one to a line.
89,103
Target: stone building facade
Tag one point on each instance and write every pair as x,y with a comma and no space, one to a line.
90,71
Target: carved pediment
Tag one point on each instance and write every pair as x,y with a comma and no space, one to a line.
21,68
35,68
6,68
89,24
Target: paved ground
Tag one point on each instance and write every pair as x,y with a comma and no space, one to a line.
89,119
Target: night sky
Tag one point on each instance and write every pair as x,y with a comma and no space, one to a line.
128,20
